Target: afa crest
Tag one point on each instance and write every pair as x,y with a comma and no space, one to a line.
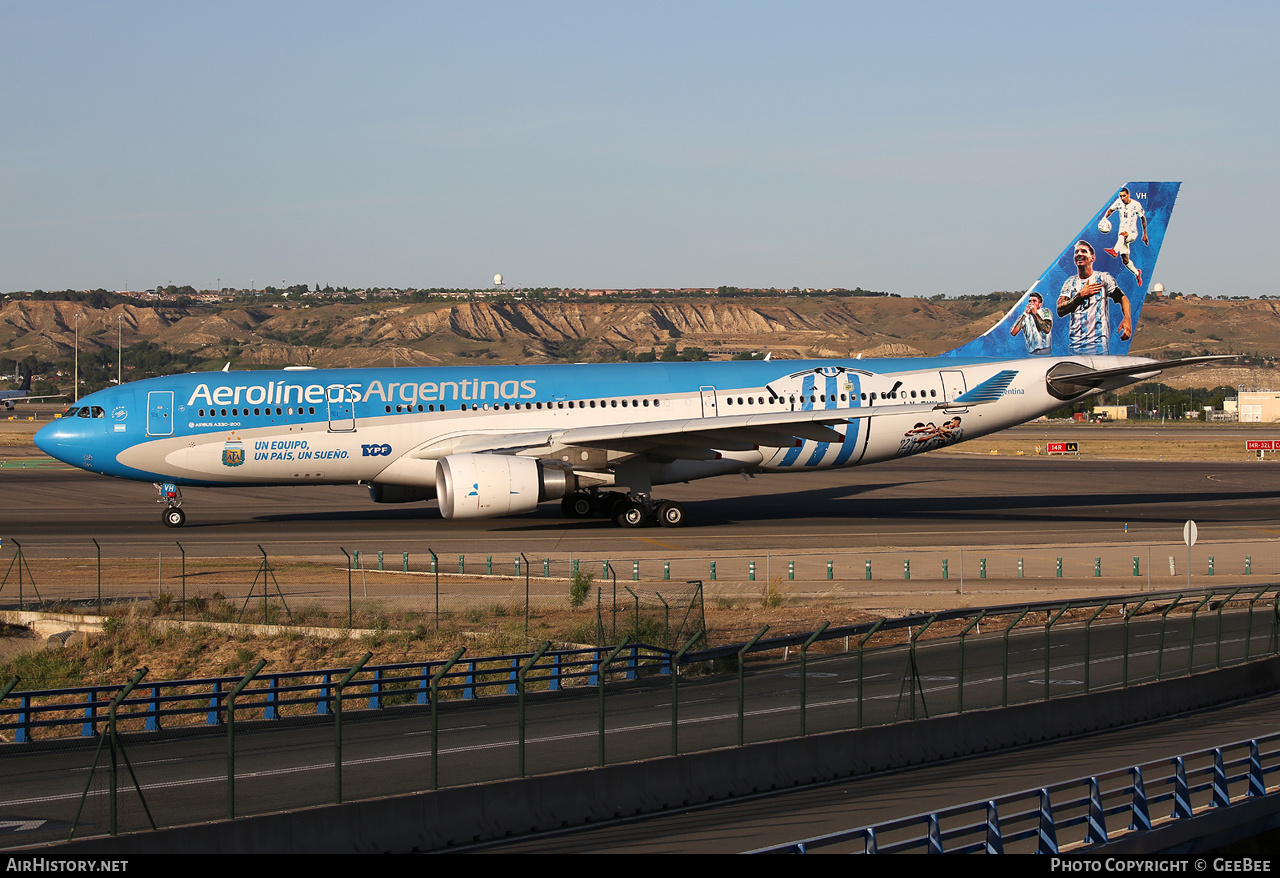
233,451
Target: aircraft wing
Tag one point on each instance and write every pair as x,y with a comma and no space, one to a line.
11,401
686,437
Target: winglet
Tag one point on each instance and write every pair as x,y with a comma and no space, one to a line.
988,391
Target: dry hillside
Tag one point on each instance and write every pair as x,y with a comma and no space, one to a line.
437,333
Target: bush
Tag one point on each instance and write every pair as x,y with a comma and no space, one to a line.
773,595
580,588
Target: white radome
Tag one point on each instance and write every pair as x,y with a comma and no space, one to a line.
1104,225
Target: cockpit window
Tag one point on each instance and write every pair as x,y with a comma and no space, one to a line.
84,413
71,412
98,412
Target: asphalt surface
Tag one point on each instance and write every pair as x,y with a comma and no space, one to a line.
930,500
973,529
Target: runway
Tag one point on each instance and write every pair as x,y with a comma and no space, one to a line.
973,529
926,501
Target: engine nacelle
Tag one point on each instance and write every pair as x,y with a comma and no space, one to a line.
492,485
400,493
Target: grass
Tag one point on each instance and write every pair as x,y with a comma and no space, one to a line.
1105,444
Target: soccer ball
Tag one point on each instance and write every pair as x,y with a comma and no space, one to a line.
1104,225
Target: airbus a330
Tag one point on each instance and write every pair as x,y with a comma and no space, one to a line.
489,441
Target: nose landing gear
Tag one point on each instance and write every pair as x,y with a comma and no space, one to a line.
171,497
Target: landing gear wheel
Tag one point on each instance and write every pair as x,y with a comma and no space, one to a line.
578,505
611,503
630,514
671,514
174,517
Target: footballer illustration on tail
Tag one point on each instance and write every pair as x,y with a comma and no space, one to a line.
1089,300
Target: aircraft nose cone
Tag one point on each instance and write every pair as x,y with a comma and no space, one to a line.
56,440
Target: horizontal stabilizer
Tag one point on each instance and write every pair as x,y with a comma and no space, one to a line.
1069,380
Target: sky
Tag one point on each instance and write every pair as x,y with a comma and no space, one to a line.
913,147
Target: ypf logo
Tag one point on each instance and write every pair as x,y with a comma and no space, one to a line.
375,450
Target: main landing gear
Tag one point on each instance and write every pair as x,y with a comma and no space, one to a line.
171,497
626,510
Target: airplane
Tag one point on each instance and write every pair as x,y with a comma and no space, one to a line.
494,441
10,398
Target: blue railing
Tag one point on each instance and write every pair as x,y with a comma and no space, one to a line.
1102,808
203,700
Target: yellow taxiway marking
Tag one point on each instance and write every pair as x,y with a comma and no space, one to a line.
660,545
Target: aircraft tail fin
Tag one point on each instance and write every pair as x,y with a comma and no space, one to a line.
1088,304
25,387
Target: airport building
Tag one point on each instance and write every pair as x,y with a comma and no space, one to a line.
1259,406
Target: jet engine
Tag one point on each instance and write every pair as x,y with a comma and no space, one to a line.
491,485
